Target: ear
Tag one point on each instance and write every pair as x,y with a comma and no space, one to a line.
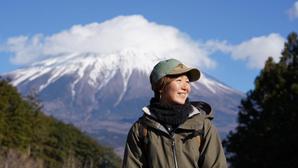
160,94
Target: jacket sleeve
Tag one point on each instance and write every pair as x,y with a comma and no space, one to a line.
212,153
133,155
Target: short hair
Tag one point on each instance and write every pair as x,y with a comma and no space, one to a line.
161,84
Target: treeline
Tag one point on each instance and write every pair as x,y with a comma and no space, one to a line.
28,138
267,133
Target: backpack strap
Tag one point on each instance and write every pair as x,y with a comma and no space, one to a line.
143,134
143,131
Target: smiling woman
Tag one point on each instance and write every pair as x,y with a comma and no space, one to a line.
175,90
173,132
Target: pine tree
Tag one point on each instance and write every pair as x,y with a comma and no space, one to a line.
267,131
28,136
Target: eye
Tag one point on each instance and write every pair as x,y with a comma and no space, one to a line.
178,79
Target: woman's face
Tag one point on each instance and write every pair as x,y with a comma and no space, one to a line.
177,91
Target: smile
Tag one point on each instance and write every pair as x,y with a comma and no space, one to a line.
182,94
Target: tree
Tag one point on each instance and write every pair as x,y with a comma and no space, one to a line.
267,131
28,136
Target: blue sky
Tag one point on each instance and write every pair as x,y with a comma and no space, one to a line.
235,36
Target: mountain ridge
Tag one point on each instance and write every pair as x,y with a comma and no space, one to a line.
103,95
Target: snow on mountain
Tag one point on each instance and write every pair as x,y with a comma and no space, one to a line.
104,94
104,67
79,64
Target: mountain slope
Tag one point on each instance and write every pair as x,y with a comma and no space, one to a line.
104,94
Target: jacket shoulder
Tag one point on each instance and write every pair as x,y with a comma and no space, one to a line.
204,108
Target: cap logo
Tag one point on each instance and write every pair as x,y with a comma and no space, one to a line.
180,66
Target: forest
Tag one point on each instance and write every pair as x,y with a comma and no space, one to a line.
30,139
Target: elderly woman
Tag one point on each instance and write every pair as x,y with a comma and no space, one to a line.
173,132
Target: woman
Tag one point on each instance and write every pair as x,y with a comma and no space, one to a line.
173,133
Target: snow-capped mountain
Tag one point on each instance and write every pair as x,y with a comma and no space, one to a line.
104,94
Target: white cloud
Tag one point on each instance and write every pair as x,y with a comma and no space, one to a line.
25,49
254,51
117,34
137,33
293,11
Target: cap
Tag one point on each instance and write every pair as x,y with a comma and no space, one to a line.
172,67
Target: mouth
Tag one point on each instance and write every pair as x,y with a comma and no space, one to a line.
182,94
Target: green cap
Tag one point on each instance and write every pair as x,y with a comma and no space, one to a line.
172,67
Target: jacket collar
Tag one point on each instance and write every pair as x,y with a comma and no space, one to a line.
146,110
190,124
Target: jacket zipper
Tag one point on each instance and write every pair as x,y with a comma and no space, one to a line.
174,152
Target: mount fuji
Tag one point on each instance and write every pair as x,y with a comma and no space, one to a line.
103,94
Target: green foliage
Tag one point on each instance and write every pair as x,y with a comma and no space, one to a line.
25,128
268,124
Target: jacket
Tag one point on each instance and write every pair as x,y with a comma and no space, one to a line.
193,144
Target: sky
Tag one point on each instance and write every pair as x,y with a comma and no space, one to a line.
229,40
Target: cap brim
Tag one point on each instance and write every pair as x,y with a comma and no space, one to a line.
193,74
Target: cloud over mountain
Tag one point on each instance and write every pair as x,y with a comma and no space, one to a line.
137,33
123,32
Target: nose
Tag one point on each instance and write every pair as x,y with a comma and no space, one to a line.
185,86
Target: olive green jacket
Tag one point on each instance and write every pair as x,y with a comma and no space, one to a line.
194,144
